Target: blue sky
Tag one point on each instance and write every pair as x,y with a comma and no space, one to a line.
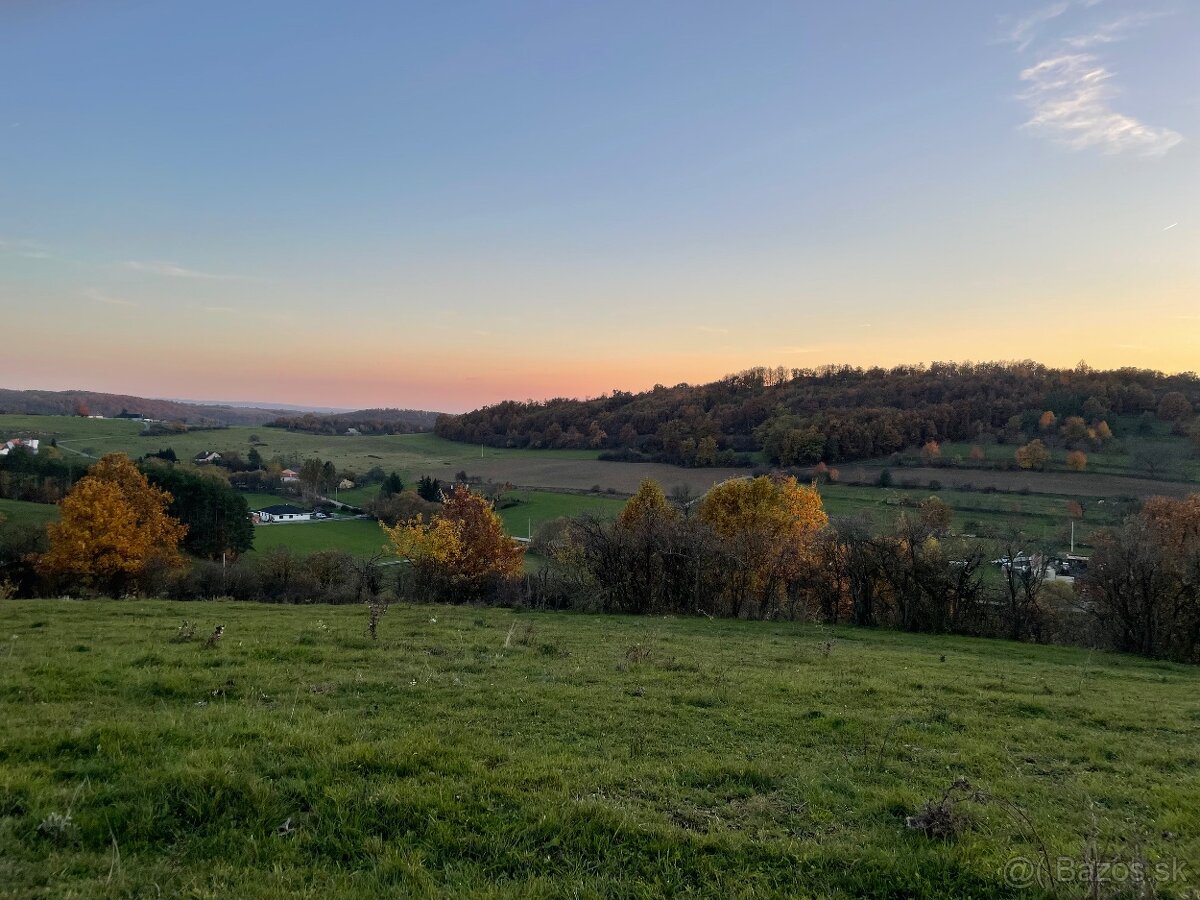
449,204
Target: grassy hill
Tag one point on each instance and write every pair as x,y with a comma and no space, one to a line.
488,753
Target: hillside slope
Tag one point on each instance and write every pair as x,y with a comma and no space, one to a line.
832,414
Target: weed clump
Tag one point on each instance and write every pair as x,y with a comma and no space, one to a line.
944,818
186,632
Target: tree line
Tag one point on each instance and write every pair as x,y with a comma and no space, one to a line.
750,548
831,414
363,421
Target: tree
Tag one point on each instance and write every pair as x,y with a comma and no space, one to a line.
429,489
254,459
936,515
1077,460
113,525
1174,407
1033,455
648,502
931,451
310,475
767,526
329,477
1143,580
82,409
463,552
1046,420
978,454
216,515
390,485
1074,429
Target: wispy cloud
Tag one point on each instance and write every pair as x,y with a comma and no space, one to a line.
1169,227
26,248
710,329
172,270
1071,92
98,296
1070,99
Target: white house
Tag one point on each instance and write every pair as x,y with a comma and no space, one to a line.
208,456
30,444
283,512
289,475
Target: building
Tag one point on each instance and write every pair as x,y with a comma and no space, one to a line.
289,475
208,456
30,444
282,512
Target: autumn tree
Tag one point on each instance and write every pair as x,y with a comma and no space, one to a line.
113,525
463,553
936,515
977,454
1046,420
1143,580
931,451
768,525
1033,455
1077,460
1174,407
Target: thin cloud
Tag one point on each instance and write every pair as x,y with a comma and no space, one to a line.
710,329
1070,100
1025,30
1169,227
26,248
171,270
98,296
1070,92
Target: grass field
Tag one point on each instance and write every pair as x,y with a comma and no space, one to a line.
531,509
18,512
360,537
480,752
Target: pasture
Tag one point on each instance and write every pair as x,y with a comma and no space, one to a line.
18,512
483,752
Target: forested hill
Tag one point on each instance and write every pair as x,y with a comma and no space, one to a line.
364,421
73,403
833,413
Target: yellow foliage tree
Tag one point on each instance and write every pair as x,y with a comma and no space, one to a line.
462,548
113,524
1033,455
1077,460
646,505
1047,420
769,524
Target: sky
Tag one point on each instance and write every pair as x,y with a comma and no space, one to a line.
442,205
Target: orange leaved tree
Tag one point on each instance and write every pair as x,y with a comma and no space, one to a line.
463,553
113,525
769,526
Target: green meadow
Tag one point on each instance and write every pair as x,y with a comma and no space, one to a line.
485,752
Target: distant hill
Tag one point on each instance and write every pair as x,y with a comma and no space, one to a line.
840,413
69,403
364,421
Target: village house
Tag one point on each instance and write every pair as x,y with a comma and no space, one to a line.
30,444
282,512
289,475
208,456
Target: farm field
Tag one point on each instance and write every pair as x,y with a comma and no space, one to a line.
18,512
482,752
564,470
360,537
